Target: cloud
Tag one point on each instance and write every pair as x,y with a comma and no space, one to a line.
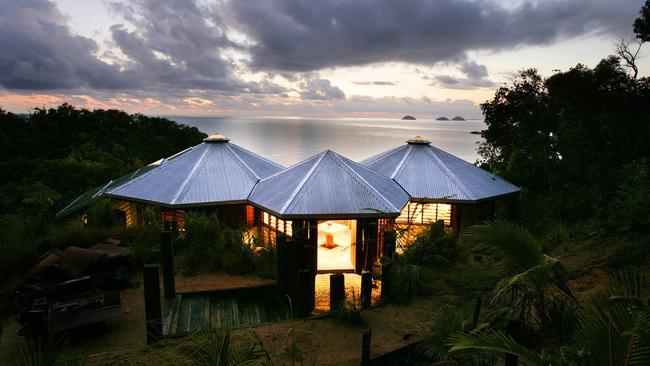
451,82
38,51
473,70
293,35
320,89
379,83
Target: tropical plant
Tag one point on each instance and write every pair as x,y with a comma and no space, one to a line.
407,280
533,282
614,329
433,247
349,312
215,348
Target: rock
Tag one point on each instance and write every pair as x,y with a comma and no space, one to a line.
409,118
442,119
458,118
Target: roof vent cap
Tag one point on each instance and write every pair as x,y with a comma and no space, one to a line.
216,138
418,140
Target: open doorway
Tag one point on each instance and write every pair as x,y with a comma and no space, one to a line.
336,245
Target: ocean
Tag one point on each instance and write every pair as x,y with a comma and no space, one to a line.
290,140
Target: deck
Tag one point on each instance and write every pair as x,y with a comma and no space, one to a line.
222,310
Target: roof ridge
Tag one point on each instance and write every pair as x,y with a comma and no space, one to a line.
189,176
256,155
309,174
374,158
462,161
242,162
401,162
366,182
450,174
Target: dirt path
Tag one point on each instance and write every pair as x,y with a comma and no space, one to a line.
121,341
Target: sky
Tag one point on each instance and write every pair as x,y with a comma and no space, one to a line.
318,58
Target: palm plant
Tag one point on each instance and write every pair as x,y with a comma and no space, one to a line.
614,330
533,281
210,348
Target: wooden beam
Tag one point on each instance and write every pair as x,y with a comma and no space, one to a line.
337,290
152,307
167,261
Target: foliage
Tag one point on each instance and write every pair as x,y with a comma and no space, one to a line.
432,248
349,312
535,286
564,139
642,23
614,330
53,155
633,195
408,280
211,246
209,348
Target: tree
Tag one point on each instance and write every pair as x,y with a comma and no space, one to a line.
533,282
642,23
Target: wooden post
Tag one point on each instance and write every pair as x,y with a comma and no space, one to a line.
282,263
167,254
304,297
365,348
385,280
152,307
366,289
337,290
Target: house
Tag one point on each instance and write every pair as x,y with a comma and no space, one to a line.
324,214
440,186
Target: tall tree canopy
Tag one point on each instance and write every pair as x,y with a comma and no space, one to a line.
570,135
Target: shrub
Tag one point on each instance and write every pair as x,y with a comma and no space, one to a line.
349,312
408,280
433,247
632,196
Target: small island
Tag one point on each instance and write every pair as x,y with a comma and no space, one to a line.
458,118
408,118
442,119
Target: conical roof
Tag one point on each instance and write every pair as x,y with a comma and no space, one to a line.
329,185
426,172
213,172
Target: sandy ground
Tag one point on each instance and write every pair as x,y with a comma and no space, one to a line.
121,341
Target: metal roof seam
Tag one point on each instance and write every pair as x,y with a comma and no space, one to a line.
374,158
302,183
483,170
259,156
189,176
390,204
354,174
452,177
242,162
401,163
163,163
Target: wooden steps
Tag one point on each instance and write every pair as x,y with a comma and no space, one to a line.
191,312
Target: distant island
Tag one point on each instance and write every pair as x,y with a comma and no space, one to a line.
458,118
442,119
408,117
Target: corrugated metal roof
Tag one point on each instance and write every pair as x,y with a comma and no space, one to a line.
98,192
213,172
426,172
329,184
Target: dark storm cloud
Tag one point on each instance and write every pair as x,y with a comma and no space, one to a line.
295,35
172,45
38,51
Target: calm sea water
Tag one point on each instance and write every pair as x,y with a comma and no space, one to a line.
289,140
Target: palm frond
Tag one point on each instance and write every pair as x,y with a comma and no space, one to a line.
516,247
495,342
